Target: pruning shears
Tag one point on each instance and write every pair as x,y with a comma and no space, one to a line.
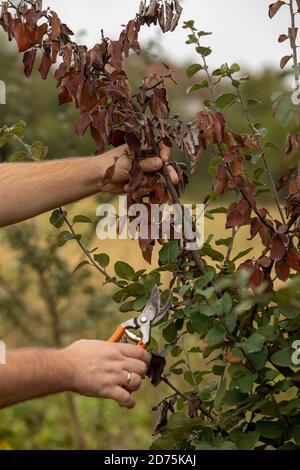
151,314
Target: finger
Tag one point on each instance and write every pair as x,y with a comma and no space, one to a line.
173,175
164,152
123,397
134,383
151,164
132,351
136,366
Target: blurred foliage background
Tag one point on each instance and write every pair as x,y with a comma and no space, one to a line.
42,302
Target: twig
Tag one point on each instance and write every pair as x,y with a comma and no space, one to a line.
271,179
86,251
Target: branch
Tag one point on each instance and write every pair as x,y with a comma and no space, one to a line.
92,261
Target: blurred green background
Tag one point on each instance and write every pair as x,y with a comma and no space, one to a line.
43,303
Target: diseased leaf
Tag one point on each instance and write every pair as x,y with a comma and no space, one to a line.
274,7
284,61
28,61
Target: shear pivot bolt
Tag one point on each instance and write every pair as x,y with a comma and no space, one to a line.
144,319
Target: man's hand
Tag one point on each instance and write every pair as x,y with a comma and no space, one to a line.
121,177
100,369
89,367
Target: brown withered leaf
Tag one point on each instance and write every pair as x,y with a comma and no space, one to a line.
45,65
168,17
163,418
265,262
116,50
256,278
283,37
277,249
178,9
298,4
234,217
136,176
158,104
55,26
83,123
284,179
28,61
40,33
282,270
156,369
293,259
274,7
285,60
232,358
24,36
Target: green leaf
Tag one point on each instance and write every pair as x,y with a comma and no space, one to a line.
201,323
18,156
207,250
57,218
224,242
226,99
127,306
39,151
246,382
197,86
193,69
296,434
204,51
235,68
203,33
282,358
124,270
242,254
231,321
169,252
65,236
170,333
4,139
269,429
254,343
17,130
80,265
204,280
259,359
215,336
81,219
103,259
248,441
220,394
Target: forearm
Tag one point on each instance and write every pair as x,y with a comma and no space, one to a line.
29,189
32,373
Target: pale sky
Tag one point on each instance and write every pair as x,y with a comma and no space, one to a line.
242,29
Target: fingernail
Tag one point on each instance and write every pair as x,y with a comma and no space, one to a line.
156,164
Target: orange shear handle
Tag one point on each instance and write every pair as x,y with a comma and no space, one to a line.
118,335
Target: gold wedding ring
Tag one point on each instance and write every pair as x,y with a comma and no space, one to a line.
129,378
